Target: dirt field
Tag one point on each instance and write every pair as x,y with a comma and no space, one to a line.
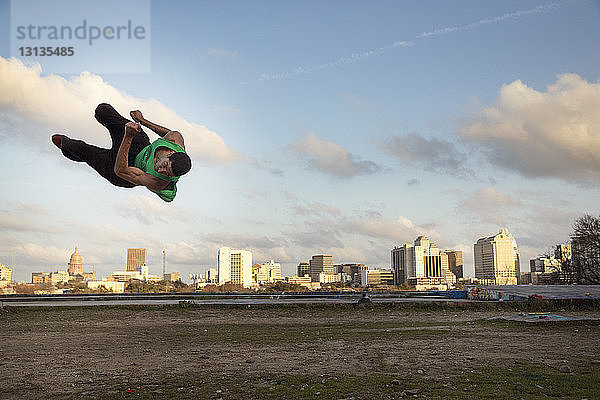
330,352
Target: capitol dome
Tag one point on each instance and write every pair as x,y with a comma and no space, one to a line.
75,263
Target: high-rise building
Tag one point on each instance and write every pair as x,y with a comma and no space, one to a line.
135,258
376,277
303,269
59,277
235,266
142,273
353,271
211,276
497,259
40,277
321,264
544,265
455,262
172,277
563,253
266,273
75,263
422,259
303,281
5,273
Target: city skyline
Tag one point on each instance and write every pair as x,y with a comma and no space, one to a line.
318,260
340,128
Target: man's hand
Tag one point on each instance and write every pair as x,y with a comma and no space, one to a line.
132,128
136,115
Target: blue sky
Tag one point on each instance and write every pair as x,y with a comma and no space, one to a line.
338,127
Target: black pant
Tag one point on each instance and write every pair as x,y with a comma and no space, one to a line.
100,159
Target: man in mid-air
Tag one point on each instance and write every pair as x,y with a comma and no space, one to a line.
132,160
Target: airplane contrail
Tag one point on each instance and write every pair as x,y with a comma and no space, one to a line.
403,43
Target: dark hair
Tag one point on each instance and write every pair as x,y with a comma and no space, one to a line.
180,163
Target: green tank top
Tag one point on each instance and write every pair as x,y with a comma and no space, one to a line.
145,161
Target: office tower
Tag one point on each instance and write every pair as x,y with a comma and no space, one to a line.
40,277
544,265
5,273
211,276
135,258
303,269
172,277
377,276
455,262
497,259
563,253
266,273
422,259
321,264
59,277
352,270
75,263
235,266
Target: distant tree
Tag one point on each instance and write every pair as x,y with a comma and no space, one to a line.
281,286
333,286
585,246
230,287
210,288
101,289
78,287
27,288
135,286
180,287
561,276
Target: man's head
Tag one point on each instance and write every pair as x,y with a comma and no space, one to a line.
176,164
180,163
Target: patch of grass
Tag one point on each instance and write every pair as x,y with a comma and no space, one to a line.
534,326
528,382
525,382
272,334
115,321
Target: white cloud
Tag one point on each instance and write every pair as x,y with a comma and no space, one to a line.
243,241
265,164
112,236
36,254
432,154
399,230
330,158
316,236
23,217
190,254
555,133
40,105
315,208
489,205
263,248
149,210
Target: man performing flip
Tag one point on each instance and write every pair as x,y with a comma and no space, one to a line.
132,160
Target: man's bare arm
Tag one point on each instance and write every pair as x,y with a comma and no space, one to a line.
175,137
138,117
133,174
